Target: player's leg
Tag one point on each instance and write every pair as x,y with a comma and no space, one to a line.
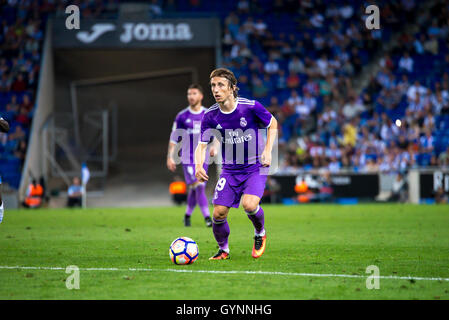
255,213
189,177
221,232
254,187
225,197
201,199
191,203
203,203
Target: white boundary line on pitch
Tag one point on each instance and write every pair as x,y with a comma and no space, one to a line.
236,272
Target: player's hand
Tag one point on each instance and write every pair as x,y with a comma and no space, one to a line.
265,158
213,151
171,165
201,175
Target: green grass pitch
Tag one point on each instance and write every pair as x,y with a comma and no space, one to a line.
335,241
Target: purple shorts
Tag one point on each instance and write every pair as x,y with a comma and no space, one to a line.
231,186
189,172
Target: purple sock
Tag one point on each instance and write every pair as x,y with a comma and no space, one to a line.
201,199
258,219
221,232
191,201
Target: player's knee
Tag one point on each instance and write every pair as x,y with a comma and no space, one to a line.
249,205
220,213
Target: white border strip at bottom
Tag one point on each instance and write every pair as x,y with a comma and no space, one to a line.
235,272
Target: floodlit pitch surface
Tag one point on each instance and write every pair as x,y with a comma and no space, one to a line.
313,252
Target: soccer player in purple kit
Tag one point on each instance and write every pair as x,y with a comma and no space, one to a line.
4,127
238,122
186,129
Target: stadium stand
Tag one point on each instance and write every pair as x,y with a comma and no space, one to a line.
302,69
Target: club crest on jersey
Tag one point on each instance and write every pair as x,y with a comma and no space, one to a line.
243,122
188,120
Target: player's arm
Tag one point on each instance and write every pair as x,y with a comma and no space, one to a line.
174,139
171,165
200,151
4,125
200,157
271,137
213,150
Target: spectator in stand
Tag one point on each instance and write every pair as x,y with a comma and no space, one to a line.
346,11
443,159
243,7
389,99
352,108
281,80
349,135
427,142
260,28
13,106
317,19
242,37
271,66
293,80
295,65
419,44
259,88
275,109
403,85
431,45
414,89
5,83
17,134
26,103
19,84
311,87
310,102
406,63
323,65
294,99
386,62
371,166
21,150
23,118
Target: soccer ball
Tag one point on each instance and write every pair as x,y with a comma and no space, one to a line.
183,251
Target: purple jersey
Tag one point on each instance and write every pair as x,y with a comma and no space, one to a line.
186,128
241,132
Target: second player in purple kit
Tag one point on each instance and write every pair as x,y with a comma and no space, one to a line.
186,130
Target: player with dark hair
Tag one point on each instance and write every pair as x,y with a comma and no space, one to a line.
4,127
240,124
186,129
